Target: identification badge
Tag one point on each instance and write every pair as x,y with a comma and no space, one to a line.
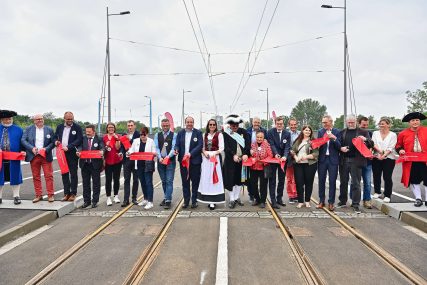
195,139
95,144
73,132
259,148
328,132
108,148
48,136
165,144
284,141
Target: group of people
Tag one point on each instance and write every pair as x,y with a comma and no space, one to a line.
219,160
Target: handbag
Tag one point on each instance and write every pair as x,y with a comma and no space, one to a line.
268,171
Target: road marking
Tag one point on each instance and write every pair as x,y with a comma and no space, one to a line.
78,185
222,258
202,277
31,177
11,245
416,231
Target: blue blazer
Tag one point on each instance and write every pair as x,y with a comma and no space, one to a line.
250,131
74,140
196,145
280,146
334,147
28,141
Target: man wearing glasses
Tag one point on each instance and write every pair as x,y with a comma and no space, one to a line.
329,158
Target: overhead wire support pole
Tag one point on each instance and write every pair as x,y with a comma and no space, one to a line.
108,69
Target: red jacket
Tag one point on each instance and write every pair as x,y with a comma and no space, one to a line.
260,153
112,156
405,141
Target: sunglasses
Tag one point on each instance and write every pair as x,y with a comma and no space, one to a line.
212,125
143,134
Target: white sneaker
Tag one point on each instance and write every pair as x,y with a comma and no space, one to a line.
143,203
376,195
109,203
148,206
386,200
116,199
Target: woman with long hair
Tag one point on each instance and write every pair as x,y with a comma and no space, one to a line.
113,162
211,187
305,165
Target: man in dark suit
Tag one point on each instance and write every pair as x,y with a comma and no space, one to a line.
189,142
280,143
252,130
328,161
91,168
129,170
38,141
351,162
70,135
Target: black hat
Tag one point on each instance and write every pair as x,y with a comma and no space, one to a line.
414,115
233,119
7,114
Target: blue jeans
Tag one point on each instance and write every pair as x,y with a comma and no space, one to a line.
167,173
367,179
146,180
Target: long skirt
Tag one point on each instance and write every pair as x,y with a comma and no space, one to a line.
210,192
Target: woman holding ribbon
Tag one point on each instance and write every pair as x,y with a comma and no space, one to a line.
113,162
211,187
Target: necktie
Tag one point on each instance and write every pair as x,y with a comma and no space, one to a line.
89,143
164,153
5,140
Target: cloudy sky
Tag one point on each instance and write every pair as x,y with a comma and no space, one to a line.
52,56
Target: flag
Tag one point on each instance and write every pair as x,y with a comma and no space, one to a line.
170,118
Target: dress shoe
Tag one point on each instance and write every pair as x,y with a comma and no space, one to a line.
86,204
66,197
367,204
37,199
17,201
320,206
167,205
262,205
125,204
341,204
293,200
194,205
356,209
72,198
281,203
51,199
94,205
239,202
185,205
232,204
1,200
162,203
418,203
275,206
255,203
331,207
134,201
424,203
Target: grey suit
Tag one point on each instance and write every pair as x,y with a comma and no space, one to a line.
28,141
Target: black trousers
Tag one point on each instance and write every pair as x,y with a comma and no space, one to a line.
385,169
258,176
112,172
349,169
281,174
194,176
90,173
304,179
129,172
70,179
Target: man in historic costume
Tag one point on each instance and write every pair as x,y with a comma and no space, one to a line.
10,140
237,146
414,140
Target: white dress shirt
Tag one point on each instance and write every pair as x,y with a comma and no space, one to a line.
387,144
66,135
188,135
39,138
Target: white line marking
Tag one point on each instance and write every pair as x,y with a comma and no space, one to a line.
222,258
11,245
416,231
31,177
78,185
202,277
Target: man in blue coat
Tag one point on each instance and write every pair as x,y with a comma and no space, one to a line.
38,141
329,158
189,143
10,140
280,143
70,135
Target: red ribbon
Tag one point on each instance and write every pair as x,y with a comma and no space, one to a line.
361,147
275,160
186,163
62,160
320,141
126,142
142,156
42,152
413,157
11,155
249,162
215,174
166,160
89,154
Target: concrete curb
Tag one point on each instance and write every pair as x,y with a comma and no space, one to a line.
27,227
414,220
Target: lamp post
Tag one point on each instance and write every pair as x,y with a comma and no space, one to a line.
158,120
345,52
268,114
108,59
151,114
183,115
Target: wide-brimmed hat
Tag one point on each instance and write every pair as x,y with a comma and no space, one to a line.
414,115
233,119
7,114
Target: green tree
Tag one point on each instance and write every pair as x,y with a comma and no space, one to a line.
418,99
309,112
339,122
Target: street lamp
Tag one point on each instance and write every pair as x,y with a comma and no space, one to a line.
345,52
183,115
108,58
151,114
268,115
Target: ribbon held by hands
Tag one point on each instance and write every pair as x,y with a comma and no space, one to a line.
320,141
275,160
215,178
249,162
42,152
361,147
90,154
125,141
186,163
166,160
142,156
10,155
62,160
413,157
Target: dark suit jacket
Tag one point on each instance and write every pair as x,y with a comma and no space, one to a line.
136,135
28,141
334,147
359,159
97,144
196,145
74,139
280,146
250,131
